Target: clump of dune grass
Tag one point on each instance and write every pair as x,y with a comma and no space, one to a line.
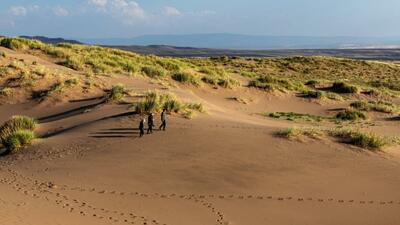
344,88
17,132
295,133
6,91
154,71
378,106
296,116
351,115
364,140
116,93
186,77
18,139
155,102
314,94
11,43
360,139
271,83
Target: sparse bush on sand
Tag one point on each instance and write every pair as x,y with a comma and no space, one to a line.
155,102
295,133
116,93
368,141
344,88
360,139
186,77
378,106
17,132
351,115
153,71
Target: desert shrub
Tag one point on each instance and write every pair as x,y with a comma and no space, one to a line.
196,106
6,91
351,115
73,63
312,83
270,83
186,77
18,139
17,132
344,88
11,43
292,132
379,106
364,140
155,102
288,133
392,85
2,54
296,116
168,65
314,94
153,71
116,93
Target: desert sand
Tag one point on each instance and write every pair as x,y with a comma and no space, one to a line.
224,166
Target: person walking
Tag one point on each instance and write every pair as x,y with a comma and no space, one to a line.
163,120
141,127
150,123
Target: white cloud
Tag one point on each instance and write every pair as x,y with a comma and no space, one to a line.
171,11
60,11
98,3
126,10
18,11
22,10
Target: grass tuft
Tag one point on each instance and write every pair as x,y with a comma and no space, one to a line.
344,88
351,115
17,132
116,93
186,77
361,139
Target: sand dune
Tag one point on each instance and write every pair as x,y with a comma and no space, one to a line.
225,166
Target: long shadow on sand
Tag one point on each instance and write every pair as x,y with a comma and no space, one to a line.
70,113
57,132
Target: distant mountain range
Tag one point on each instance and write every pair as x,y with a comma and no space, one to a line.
51,40
377,51
251,42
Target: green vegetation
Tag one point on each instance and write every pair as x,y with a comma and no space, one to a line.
116,94
58,87
155,102
357,138
378,106
344,88
316,77
186,77
351,115
18,139
270,83
17,132
296,116
368,141
6,92
2,54
296,133
153,71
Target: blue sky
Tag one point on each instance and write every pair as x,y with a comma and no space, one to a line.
128,18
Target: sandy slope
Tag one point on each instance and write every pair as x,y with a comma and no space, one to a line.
223,167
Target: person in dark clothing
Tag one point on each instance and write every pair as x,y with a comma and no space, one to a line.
141,127
150,123
163,119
